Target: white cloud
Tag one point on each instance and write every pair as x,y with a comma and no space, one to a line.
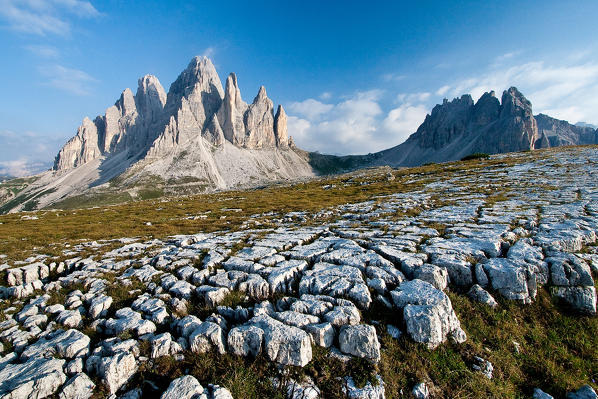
43,51
356,125
505,57
326,95
70,80
209,52
41,17
443,90
404,120
413,97
562,91
390,77
310,108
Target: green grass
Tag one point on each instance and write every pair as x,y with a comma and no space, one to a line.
558,352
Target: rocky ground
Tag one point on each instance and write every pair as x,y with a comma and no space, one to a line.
309,304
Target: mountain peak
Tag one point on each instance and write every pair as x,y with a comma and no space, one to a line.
261,95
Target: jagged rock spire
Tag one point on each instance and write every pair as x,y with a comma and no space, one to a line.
280,128
153,123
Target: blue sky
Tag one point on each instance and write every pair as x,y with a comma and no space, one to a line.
355,77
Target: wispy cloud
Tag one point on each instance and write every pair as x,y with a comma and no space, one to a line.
413,97
73,81
42,51
209,52
42,17
326,95
393,77
310,108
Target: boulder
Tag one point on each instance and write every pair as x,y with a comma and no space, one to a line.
428,313
117,370
360,341
79,386
245,340
37,378
98,306
206,337
68,344
369,391
185,387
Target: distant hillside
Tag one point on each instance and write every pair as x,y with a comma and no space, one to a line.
201,138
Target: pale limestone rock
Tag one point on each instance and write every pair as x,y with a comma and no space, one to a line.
280,128
231,114
428,313
78,387
37,378
360,341
117,370
186,387
259,122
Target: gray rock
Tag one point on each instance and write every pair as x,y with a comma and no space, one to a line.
434,275
69,344
284,344
69,318
126,320
421,391
333,280
483,366
206,337
479,294
540,394
218,392
581,299
369,391
567,270
512,280
360,341
428,313
342,315
117,370
323,334
98,306
585,392
245,340
296,319
186,387
37,378
79,386
163,345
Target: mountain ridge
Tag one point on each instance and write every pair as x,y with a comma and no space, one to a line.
200,137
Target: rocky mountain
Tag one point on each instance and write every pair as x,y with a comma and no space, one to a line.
461,127
198,135
560,132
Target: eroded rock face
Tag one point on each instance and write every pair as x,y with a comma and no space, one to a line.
186,387
37,378
428,313
283,344
78,387
296,286
117,370
155,123
360,341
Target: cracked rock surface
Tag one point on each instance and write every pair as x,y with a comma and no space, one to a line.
105,311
